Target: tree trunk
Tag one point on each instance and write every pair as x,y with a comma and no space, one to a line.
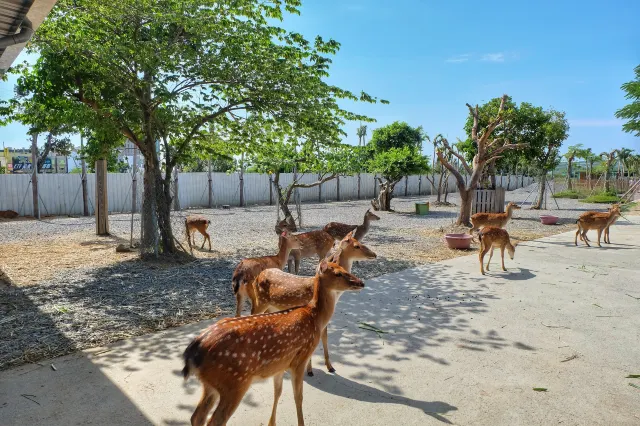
383,200
157,236
466,198
542,186
34,178
282,203
569,170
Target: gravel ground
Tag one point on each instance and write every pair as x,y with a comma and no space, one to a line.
81,305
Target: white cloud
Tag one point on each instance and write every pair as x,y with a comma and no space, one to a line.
493,57
459,58
589,122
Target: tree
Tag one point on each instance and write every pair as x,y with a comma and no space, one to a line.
624,154
609,158
591,158
486,151
550,132
394,152
362,134
631,112
572,152
171,73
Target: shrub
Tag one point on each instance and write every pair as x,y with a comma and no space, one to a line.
569,194
603,197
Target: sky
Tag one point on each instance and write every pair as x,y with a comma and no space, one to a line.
429,58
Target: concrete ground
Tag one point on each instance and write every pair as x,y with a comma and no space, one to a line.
460,349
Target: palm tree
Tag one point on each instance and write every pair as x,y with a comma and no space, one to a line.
362,134
572,152
609,158
590,159
623,157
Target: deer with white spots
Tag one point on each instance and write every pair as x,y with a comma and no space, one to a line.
314,243
230,354
339,230
248,269
275,290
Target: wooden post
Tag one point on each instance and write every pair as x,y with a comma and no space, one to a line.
319,190
85,196
210,203
375,185
55,160
34,177
242,180
102,199
406,186
270,189
337,188
358,186
176,199
134,182
419,185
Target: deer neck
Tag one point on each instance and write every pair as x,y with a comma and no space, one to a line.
345,262
283,254
509,212
323,303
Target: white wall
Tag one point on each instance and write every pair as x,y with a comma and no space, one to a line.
61,194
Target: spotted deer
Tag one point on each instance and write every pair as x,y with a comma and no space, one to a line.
497,220
607,238
314,243
248,269
339,230
491,237
599,222
230,354
275,290
194,223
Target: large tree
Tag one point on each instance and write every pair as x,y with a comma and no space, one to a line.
394,152
488,149
631,112
169,73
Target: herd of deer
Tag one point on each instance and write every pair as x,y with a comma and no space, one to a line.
230,354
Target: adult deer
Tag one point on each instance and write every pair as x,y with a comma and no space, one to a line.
607,238
497,220
598,222
339,230
248,269
275,290
230,354
314,243
194,223
491,237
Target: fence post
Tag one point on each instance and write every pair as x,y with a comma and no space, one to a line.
34,177
210,186
375,185
319,189
406,185
337,188
419,185
358,185
134,182
176,199
270,189
242,186
102,199
85,196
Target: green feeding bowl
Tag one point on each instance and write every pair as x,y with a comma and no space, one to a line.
422,208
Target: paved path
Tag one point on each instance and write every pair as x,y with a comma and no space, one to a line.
461,349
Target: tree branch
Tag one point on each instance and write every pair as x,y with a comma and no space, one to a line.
445,143
492,126
453,170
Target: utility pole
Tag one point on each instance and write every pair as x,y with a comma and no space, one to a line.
34,177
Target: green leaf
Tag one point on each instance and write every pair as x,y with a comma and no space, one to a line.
540,389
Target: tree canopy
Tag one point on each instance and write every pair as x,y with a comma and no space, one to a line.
631,112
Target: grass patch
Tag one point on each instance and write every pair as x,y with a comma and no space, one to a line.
575,195
629,207
603,198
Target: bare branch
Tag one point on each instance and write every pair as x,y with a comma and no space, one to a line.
441,139
453,170
474,129
316,183
492,126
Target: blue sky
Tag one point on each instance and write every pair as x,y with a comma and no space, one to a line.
429,58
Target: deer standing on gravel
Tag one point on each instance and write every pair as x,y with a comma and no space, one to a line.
194,223
491,237
275,290
230,354
596,221
248,269
314,243
498,220
339,230
607,238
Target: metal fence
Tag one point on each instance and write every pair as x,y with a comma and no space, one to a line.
61,194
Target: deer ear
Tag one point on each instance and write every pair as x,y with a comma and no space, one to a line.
324,266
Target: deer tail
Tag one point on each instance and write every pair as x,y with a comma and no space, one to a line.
192,358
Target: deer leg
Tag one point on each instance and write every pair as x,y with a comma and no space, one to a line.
606,236
277,391
490,256
297,262
483,251
204,406
585,239
309,368
325,346
229,402
599,235
297,376
502,256
204,238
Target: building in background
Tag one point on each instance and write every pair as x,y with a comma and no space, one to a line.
19,161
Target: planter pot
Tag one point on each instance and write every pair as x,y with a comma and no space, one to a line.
422,208
548,219
458,241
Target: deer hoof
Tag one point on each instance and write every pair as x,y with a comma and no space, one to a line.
332,370
310,373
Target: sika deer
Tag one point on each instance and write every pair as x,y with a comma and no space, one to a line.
598,222
275,290
197,223
248,269
339,230
497,220
607,238
314,243
230,354
491,237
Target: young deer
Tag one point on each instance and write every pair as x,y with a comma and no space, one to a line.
339,230
607,238
275,290
491,237
314,243
197,223
248,269
498,220
230,354
599,222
